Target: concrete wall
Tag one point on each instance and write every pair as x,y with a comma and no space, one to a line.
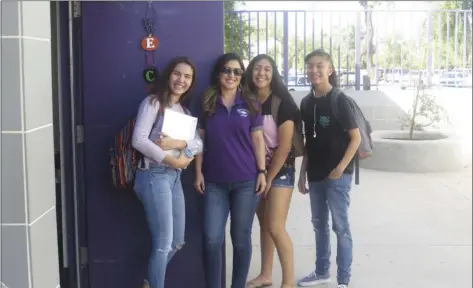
28,219
382,112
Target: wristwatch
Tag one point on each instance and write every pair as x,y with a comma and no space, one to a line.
261,171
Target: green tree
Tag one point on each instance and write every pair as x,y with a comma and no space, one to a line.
369,49
461,22
297,48
445,24
295,51
274,36
399,53
346,45
237,30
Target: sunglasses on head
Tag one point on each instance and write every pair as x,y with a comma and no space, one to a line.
229,71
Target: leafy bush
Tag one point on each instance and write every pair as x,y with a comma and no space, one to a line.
425,112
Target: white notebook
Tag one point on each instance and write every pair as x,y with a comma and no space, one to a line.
178,125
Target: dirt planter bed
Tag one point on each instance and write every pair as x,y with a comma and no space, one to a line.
428,152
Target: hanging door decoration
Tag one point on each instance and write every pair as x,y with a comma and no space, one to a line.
150,44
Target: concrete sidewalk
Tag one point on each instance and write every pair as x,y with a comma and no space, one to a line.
409,230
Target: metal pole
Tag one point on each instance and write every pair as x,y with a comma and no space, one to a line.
430,43
232,23
357,50
55,23
240,36
249,36
257,34
465,23
296,54
286,47
1,82
75,192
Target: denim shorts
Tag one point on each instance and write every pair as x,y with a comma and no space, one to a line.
285,180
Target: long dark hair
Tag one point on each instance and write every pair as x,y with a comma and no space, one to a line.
161,91
332,78
209,101
277,86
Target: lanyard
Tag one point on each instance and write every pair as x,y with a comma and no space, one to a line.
150,44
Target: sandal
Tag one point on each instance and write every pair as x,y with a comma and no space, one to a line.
255,283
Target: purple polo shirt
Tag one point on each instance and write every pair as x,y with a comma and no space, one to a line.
228,149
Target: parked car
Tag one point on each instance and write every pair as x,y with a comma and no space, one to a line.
456,79
395,74
411,79
463,70
437,74
348,78
298,83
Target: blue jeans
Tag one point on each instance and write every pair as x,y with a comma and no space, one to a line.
159,189
333,196
285,180
240,200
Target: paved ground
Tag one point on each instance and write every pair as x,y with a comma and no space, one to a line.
409,230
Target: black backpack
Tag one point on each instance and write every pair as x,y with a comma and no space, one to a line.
298,138
365,149
366,146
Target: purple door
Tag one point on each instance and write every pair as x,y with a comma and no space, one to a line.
113,86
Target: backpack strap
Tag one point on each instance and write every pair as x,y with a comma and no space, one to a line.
303,102
303,109
160,113
297,139
336,92
275,103
187,111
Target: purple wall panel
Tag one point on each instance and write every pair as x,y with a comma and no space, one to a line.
113,87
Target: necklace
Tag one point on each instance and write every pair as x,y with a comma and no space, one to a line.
315,109
322,96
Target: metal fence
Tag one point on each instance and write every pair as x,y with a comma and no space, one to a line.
388,46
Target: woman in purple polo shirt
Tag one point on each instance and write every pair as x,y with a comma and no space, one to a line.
158,183
278,134
233,166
